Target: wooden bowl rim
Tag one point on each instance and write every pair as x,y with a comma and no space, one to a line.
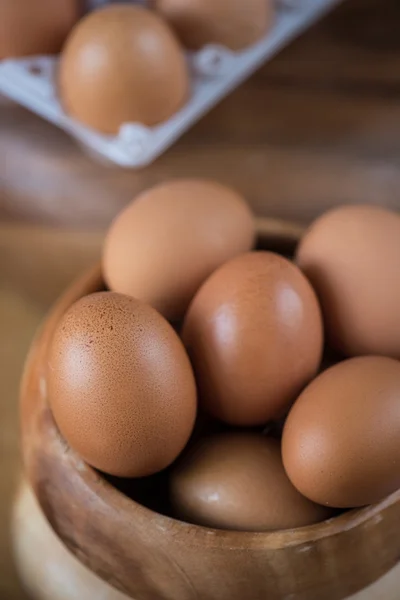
111,496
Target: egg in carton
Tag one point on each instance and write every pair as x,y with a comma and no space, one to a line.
214,71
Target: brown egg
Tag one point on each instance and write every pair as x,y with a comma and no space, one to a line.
341,439
231,23
167,242
352,257
122,64
31,27
120,385
237,481
254,334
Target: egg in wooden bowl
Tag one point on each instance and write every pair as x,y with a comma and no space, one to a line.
150,555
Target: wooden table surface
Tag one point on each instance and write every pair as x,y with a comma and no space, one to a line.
318,126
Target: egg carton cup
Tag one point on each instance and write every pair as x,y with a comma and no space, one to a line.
215,72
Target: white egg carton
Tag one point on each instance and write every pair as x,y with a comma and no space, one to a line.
216,71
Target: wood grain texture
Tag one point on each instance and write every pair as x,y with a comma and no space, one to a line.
317,126
150,556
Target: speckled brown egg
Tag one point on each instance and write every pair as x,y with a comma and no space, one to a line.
171,237
352,257
122,64
237,481
231,23
120,385
32,27
341,439
254,334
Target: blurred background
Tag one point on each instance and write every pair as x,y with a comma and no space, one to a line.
317,126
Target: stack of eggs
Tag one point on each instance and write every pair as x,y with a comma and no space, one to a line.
267,390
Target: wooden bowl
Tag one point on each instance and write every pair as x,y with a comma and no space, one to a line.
150,556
